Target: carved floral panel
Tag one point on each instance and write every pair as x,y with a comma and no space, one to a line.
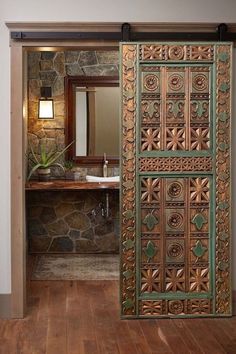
175,108
175,223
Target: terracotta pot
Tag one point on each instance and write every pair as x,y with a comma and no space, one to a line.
44,174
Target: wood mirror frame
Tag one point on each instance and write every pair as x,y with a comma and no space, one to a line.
70,127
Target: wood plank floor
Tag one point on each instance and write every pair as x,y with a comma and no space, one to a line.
82,317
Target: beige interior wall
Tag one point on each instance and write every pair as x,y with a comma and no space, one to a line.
5,208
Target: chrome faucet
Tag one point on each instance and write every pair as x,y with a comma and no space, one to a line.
105,163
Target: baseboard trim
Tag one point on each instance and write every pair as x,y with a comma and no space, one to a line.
5,305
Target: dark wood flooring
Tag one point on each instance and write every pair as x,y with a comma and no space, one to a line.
82,317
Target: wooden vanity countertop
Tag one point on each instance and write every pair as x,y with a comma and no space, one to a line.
60,184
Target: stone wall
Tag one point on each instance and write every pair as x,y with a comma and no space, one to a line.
72,222
50,69
67,221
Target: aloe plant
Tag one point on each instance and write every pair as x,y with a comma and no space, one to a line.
46,160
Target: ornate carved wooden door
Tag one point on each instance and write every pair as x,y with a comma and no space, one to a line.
175,197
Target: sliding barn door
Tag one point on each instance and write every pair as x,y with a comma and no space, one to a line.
175,196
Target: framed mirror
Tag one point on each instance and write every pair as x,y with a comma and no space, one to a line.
92,107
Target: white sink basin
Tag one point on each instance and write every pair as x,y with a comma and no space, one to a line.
102,179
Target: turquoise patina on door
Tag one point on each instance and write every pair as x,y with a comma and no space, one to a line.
175,197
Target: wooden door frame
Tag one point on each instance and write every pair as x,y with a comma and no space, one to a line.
19,125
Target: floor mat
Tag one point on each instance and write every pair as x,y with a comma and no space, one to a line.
76,267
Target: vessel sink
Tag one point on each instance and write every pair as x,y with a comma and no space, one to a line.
102,179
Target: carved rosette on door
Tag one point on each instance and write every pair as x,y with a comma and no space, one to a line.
175,202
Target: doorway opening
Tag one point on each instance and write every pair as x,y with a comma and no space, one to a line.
65,222
72,229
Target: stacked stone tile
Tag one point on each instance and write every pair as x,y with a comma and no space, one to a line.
72,222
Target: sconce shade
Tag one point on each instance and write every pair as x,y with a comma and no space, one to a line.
46,110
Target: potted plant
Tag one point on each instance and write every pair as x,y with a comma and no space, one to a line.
69,165
46,160
71,171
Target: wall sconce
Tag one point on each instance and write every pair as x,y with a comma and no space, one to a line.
46,110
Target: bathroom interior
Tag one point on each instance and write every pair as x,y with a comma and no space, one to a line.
72,207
